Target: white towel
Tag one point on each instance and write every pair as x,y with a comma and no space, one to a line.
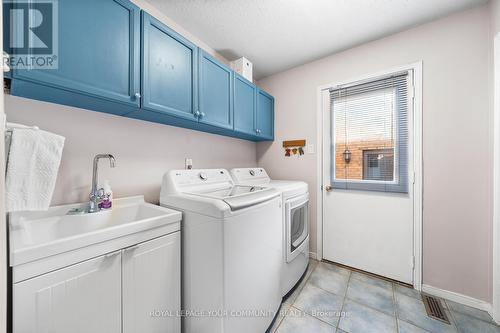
33,162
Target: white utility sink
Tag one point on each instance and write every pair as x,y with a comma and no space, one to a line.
36,235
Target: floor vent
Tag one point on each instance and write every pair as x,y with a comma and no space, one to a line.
434,308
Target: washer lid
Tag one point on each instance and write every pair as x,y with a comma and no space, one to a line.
238,196
226,192
289,187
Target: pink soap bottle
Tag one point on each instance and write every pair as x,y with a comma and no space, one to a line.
107,202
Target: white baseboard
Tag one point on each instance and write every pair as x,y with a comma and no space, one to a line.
313,255
458,298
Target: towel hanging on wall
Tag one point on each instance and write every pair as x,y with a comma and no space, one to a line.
33,162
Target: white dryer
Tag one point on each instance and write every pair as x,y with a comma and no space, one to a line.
295,221
232,245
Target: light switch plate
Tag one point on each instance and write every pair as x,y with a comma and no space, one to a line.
310,149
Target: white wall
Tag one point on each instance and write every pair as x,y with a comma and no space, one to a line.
494,8
457,136
144,151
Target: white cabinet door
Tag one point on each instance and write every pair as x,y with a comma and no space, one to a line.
81,298
151,286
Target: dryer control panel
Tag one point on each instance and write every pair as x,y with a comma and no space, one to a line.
250,176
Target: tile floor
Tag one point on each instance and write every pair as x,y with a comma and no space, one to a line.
336,300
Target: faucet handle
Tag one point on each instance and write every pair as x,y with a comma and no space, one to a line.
100,193
97,195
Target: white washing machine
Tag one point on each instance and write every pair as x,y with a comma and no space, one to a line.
295,221
231,251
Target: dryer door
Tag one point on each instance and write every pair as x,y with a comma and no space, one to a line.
297,225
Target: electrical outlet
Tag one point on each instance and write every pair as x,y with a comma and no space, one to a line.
310,149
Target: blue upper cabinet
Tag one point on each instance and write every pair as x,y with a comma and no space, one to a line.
215,92
265,115
245,94
169,71
98,51
113,60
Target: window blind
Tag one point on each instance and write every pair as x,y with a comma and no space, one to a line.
369,135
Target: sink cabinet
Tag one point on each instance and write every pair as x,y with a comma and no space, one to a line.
151,277
85,295
112,293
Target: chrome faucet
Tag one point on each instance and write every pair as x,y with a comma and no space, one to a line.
96,195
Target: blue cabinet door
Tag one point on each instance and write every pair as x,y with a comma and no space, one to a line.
169,71
245,94
215,92
265,115
98,51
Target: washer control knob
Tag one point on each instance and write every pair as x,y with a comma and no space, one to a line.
203,176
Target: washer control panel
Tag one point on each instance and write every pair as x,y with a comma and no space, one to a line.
201,177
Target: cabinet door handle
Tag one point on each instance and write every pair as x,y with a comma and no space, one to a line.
137,96
111,255
132,248
197,114
258,131
202,114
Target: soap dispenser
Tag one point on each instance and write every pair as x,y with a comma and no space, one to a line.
107,202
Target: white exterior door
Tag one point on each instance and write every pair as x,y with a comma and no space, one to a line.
151,286
82,298
371,230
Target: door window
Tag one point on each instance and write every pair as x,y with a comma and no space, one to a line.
370,135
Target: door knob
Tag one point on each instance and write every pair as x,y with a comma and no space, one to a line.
328,188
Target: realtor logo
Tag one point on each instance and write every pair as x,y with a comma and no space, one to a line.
32,39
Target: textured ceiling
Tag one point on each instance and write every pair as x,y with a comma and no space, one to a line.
279,34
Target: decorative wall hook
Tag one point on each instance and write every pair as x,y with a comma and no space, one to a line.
294,147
